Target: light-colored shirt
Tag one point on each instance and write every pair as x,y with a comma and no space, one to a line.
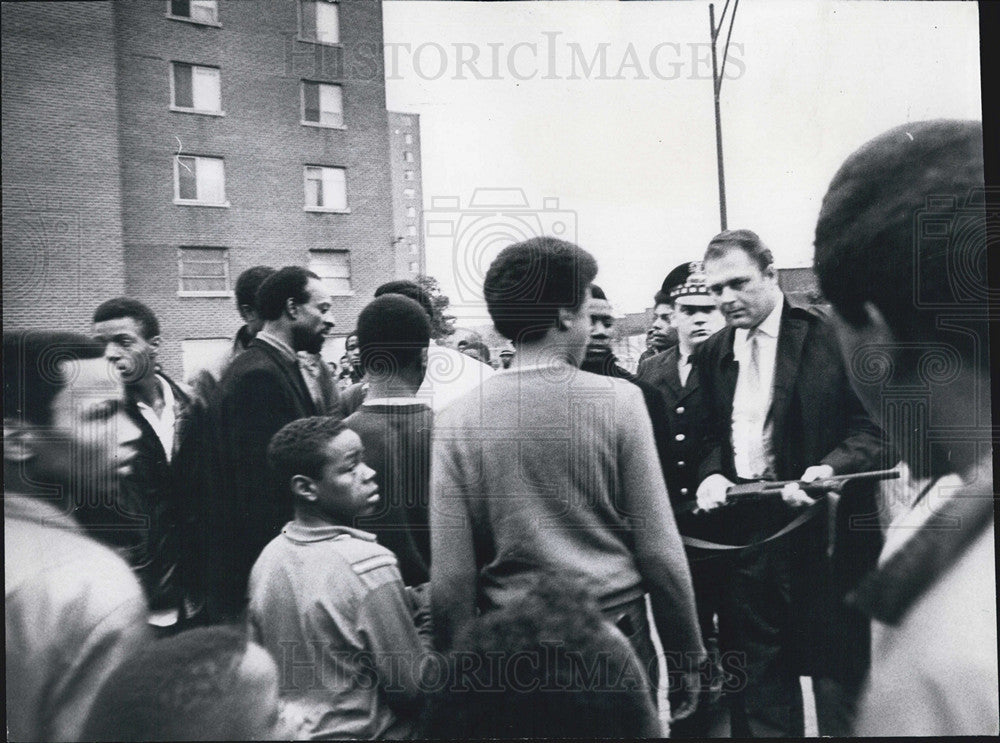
935,673
450,374
751,424
275,342
310,371
73,612
329,604
162,423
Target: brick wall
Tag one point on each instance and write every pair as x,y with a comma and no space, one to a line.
62,229
264,146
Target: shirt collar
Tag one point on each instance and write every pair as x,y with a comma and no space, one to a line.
772,323
298,532
396,401
769,327
165,390
535,367
276,342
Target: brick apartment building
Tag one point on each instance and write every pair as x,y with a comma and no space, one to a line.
159,148
407,193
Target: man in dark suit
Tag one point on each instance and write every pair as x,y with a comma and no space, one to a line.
684,299
145,522
263,389
779,406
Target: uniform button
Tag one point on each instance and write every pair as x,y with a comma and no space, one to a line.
679,437
681,463
684,491
680,409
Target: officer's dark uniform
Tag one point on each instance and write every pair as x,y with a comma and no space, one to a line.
686,430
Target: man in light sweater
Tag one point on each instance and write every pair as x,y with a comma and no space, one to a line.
548,468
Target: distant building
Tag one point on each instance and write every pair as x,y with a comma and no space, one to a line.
158,149
407,193
801,283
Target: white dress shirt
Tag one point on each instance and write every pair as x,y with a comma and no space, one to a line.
450,374
752,426
163,424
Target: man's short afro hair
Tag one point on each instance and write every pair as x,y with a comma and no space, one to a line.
529,281
36,368
410,289
180,688
249,282
119,307
903,226
290,282
392,331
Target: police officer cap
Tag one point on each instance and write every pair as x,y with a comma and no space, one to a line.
686,284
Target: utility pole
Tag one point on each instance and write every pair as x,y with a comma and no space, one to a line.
717,74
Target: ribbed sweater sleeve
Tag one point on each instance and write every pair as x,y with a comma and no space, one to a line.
453,561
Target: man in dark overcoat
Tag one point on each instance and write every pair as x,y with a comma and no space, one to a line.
780,407
264,388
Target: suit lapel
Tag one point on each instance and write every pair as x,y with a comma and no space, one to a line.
148,434
728,372
292,375
791,338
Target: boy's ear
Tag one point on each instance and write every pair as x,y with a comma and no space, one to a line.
18,442
304,487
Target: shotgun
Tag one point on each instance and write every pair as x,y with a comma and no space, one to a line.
751,492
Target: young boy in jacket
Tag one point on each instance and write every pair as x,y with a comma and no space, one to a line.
328,601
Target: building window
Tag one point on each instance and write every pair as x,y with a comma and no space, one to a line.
411,212
411,230
320,21
409,193
195,88
408,175
322,104
203,272
405,120
414,267
413,248
334,269
199,180
196,11
407,138
408,156
326,188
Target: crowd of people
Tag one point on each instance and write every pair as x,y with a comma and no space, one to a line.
423,543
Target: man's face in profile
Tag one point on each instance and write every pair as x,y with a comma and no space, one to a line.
89,440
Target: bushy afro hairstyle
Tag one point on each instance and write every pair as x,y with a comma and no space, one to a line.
529,282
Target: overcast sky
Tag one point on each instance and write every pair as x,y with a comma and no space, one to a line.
606,107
